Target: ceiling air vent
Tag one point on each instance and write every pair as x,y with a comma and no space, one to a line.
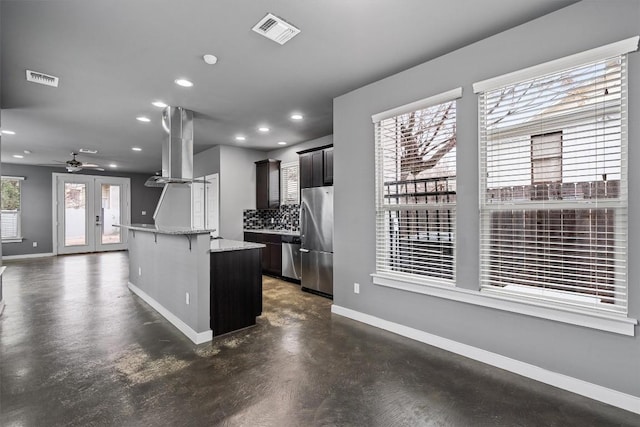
42,78
275,29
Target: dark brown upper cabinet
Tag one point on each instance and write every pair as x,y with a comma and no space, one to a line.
268,184
316,167
328,166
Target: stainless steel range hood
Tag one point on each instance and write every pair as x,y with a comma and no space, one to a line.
177,148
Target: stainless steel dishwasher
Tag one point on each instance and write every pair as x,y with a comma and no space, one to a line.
291,257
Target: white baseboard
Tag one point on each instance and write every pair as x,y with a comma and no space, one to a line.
25,256
196,337
612,397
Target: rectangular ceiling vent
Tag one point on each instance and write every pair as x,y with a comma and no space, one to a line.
42,78
276,29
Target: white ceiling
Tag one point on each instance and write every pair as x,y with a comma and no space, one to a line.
114,57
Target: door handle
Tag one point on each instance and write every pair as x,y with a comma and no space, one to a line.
98,220
303,224
304,250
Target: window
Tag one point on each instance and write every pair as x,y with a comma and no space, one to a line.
289,191
11,204
416,189
546,158
553,177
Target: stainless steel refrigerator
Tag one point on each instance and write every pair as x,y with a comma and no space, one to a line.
316,235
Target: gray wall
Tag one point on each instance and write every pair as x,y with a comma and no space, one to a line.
237,188
37,199
290,154
603,358
206,162
237,170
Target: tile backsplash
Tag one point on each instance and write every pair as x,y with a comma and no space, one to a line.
287,217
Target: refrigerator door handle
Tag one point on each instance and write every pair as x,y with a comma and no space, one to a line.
302,224
304,250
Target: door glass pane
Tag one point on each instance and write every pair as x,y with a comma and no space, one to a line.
75,214
110,214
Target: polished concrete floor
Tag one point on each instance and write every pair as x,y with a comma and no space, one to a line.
78,349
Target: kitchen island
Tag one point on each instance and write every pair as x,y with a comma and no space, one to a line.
205,287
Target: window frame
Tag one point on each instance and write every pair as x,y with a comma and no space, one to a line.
625,326
19,236
382,209
284,183
543,158
618,205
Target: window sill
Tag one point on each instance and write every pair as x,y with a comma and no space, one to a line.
14,240
615,324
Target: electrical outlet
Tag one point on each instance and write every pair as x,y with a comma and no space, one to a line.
356,288
186,298
35,244
144,212
139,271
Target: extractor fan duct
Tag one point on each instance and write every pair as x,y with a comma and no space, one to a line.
276,29
177,148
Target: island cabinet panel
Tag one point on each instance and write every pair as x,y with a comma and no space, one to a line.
236,290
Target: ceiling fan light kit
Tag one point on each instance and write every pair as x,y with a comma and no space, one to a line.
75,165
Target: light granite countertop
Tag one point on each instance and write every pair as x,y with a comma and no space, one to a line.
272,231
165,230
222,245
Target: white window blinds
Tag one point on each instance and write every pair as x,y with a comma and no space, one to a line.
289,191
11,207
553,177
416,189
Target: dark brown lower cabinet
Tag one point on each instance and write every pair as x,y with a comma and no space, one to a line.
236,289
271,254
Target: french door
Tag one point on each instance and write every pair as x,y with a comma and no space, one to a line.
86,208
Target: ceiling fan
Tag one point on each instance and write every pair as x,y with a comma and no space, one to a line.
74,165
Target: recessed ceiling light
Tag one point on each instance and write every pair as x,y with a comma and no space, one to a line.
183,82
18,156
8,132
263,129
158,104
113,165
136,148
296,116
282,143
240,138
27,151
210,59
143,119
